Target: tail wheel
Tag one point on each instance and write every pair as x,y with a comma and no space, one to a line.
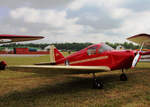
67,62
97,84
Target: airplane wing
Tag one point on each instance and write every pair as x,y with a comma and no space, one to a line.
62,69
6,38
140,38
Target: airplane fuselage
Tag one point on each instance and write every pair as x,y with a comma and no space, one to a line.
97,55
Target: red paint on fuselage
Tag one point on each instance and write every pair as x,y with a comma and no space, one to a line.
114,59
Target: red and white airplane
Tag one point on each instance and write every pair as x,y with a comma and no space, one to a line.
93,59
7,38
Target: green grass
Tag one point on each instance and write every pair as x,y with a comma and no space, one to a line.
21,89
24,60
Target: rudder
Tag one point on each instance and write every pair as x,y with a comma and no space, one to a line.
55,55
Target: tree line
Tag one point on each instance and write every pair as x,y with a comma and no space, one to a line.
67,46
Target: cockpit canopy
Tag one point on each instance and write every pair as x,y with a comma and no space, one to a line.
104,47
98,49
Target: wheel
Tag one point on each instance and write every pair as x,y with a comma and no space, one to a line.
123,77
97,84
2,65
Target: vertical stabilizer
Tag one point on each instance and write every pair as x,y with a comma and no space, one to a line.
55,55
52,57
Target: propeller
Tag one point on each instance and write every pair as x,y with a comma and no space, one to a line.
137,57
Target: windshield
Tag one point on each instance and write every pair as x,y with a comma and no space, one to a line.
105,47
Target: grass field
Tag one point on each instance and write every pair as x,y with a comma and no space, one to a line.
21,89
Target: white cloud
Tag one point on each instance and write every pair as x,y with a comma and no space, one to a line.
76,20
64,27
120,13
90,37
135,23
23,29
78,4
28,14
50,17
132,22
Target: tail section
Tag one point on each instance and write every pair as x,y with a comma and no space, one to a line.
55,55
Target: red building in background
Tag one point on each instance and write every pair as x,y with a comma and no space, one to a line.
24,51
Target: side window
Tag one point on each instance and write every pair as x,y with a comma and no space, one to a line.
92,50
101,49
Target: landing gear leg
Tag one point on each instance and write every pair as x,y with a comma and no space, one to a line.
97,84
123,76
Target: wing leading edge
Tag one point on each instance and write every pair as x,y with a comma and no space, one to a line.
64,69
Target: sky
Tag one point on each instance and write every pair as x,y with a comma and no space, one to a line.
75,20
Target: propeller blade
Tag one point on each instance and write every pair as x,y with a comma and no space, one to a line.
136,59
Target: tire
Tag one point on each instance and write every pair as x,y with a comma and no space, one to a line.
2,65
123,77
